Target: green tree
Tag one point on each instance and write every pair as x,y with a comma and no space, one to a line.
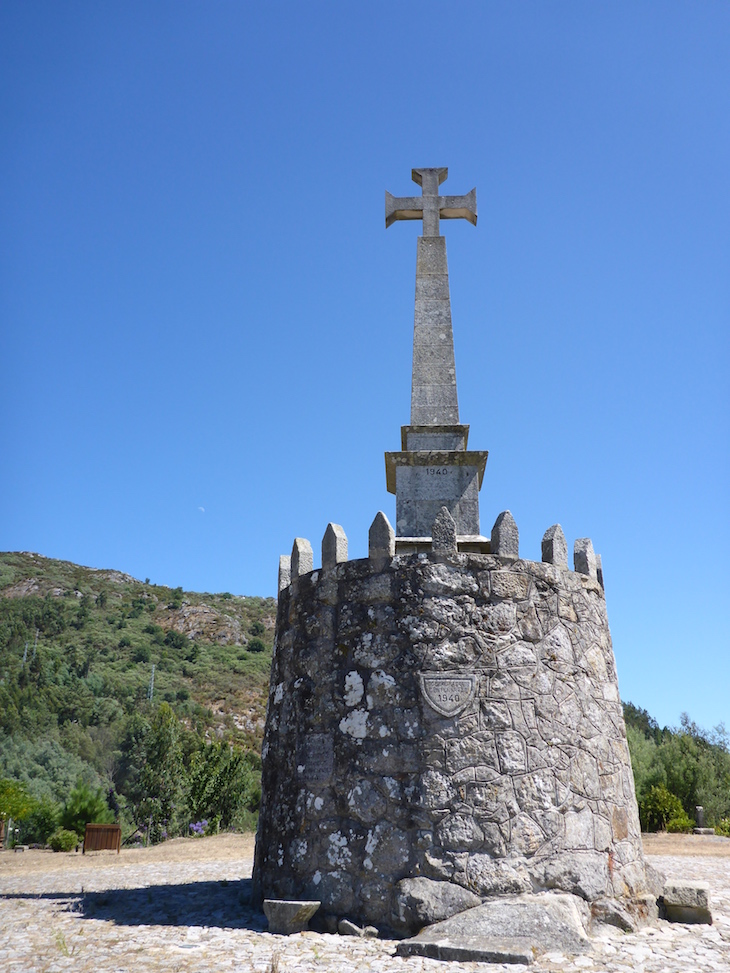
151,770
15,801
221,782
658,808
85,806
645,761
42,821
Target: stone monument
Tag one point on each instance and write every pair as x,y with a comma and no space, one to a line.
444,727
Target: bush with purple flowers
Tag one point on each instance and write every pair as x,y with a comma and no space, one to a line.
198,828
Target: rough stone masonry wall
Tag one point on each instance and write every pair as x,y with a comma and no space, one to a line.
528,787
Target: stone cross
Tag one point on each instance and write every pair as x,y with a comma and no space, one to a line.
429,207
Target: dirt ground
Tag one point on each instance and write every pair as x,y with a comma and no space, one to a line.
226,847
222,847
690,845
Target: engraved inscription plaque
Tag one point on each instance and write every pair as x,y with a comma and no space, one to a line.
447,693
319,758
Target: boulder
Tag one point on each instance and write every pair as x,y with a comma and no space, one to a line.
508,930
420,902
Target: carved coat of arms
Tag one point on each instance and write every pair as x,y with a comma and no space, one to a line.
447,693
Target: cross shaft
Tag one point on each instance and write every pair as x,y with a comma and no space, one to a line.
429,207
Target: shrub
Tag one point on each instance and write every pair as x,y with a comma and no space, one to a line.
142,654
680,823
63,840
176,639
177,598
257,628
256,645
723,827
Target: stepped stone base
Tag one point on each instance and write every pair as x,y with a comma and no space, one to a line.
454,717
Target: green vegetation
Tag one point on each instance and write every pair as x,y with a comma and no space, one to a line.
676,770
80,737
63,840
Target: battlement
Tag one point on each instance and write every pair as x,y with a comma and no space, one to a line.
384,547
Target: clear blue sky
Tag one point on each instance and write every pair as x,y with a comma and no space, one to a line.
206,329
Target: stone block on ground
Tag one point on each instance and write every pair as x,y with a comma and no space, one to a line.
506,930
422,901
505,540
288,916
684,901
611,912
347,928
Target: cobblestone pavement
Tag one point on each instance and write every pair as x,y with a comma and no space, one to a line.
193,916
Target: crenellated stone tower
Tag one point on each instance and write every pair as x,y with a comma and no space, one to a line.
444,725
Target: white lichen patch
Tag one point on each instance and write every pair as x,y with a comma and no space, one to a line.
381,681
354,688
298,848
355,724
279,694
317,877
384,731
338,853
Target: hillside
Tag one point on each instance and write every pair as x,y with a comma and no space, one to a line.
77,651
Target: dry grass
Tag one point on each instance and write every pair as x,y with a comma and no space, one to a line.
226,847
220,847
689,845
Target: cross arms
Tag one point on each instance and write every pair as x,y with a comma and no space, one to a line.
430,207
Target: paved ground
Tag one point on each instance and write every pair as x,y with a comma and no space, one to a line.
182,907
